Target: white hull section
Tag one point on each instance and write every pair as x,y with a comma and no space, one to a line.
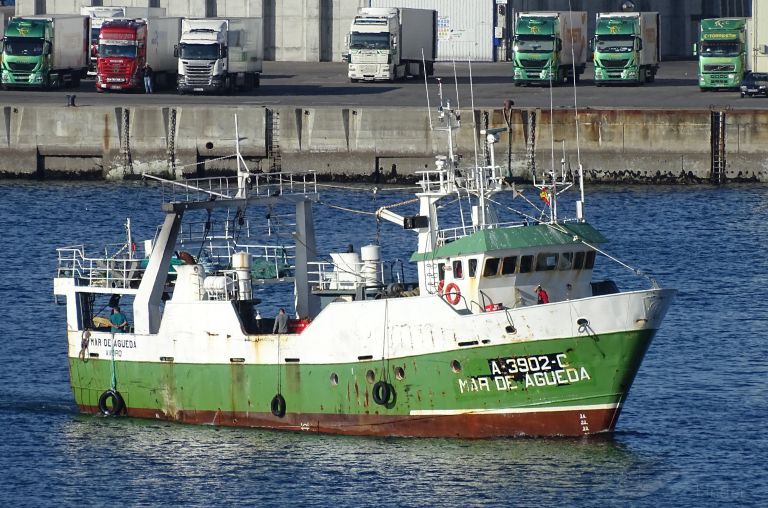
347,332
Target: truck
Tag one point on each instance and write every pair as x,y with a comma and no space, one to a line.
97,15
389,43
626,47
126,45
219,55
44,51
549,47
722,52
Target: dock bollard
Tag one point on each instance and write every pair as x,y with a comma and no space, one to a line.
71,100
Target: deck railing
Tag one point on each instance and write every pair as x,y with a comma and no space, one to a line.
120,271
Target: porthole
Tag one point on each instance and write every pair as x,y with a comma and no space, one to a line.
370,376
456,366
399,373
334,379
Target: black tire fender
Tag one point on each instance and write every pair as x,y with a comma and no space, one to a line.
118,404
278,405
381,393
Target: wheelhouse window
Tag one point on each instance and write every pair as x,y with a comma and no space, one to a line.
566,261
458,270
546,261
526,264
491,267
589,263
508,265
472,266
578,260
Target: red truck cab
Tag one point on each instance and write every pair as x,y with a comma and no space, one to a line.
121,56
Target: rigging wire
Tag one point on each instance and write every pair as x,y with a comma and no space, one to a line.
575,103
559,228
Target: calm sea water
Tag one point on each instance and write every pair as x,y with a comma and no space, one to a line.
693,431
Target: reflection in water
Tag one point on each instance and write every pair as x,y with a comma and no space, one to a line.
261,466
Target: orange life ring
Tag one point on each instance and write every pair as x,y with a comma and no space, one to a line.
440,288
452,293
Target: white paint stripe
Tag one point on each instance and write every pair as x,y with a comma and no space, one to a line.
511,410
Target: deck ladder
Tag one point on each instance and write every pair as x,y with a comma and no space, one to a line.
717,141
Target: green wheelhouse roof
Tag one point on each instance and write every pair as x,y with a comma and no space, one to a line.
519,237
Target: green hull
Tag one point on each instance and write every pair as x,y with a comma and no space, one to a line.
570,386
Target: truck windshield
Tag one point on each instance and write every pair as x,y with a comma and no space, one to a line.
360,40
608,44
199,51
535,44
720,48
124,50
18,46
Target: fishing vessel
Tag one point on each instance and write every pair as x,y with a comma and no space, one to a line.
502,330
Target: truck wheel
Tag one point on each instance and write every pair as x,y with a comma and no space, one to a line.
430,68
75,79
353,80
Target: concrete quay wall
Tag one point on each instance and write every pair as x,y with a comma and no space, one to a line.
632,146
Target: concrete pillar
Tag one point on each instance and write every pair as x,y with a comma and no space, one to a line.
297,30
344,12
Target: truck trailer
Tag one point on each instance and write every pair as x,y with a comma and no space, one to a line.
219,55
757,38
722,52
626,47
126,45
385,44
44,51
549,47
97,15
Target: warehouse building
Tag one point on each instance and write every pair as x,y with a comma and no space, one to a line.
480,30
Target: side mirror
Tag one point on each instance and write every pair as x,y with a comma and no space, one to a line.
47,48
695,49
559,45
176,51
224,52
394,42
591,44
639,44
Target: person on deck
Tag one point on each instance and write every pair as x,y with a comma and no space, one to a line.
281,322
118,320
541,295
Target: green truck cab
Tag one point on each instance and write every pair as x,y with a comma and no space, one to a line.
549,47
626,47
44,52
722,52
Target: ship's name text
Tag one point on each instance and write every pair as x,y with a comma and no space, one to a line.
535,371
113,342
